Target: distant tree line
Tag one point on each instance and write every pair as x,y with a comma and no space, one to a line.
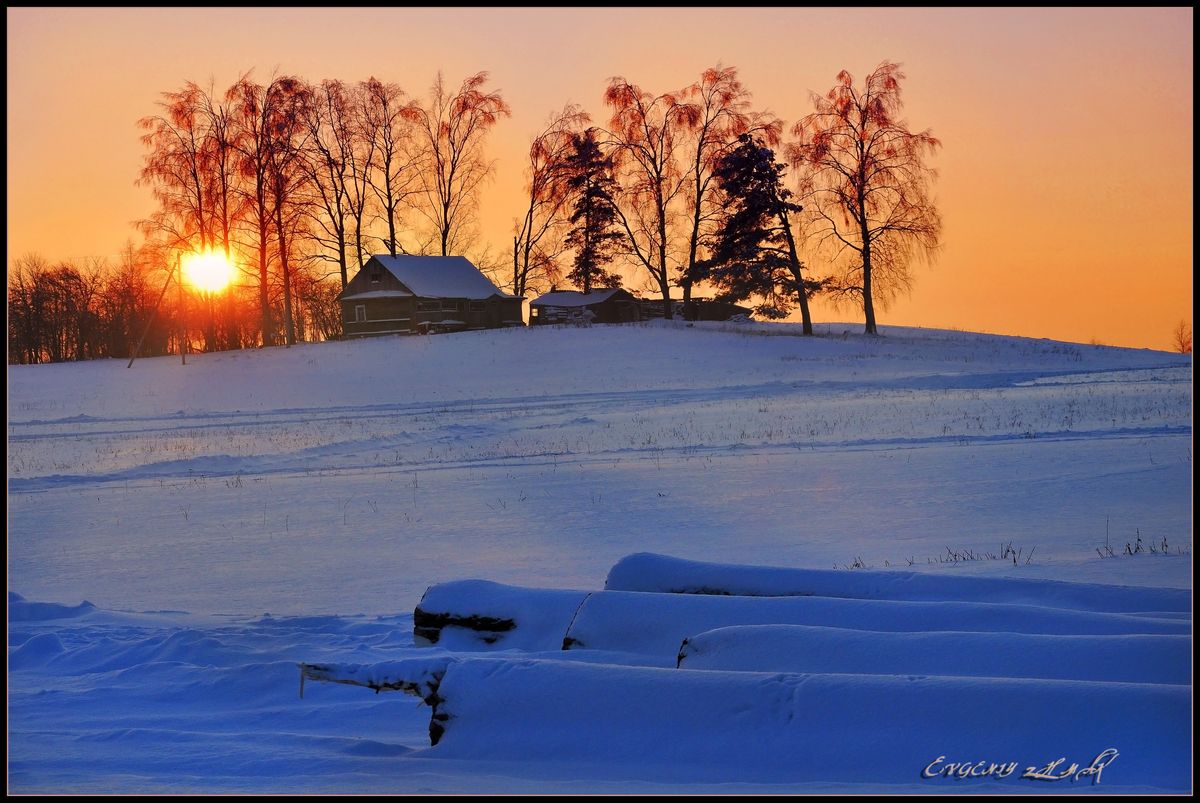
298,183
64,311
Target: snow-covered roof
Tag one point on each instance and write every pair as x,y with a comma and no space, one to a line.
573,298
440,277
377,294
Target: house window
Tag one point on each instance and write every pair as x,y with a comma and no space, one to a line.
428,306
451,306
477,306
376,277
360,313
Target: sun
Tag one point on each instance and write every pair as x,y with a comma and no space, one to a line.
209,271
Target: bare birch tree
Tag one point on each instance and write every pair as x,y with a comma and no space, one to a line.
646,137
867,185
389,158
330,139
452,129
1181,338
537,236
289,99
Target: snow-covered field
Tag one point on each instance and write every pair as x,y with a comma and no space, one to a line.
227,520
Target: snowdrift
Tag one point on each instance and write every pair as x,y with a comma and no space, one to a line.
22,610
1136,658
649,572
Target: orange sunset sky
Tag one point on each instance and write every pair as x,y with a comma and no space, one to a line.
1066,167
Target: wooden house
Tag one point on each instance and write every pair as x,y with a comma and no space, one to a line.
607,305
419,295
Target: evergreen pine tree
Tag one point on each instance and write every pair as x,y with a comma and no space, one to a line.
754,253
593,216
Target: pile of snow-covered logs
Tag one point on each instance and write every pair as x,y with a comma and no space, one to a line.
746,672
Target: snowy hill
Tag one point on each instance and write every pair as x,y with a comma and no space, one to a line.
332,484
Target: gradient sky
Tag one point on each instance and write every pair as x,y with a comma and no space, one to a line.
1066,167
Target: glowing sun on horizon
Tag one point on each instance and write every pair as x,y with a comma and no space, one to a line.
209,271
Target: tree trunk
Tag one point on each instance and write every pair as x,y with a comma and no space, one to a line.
805,315
445,228
343,264
868,302
664,287
526,259
289,327
358,236
693,247
587,262
391,215
210,333
865,233
182,316
516,282
664,282
264,298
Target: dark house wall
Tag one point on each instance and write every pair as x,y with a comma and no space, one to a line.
707,309
490,313
383,316
505,312
620,307
653,308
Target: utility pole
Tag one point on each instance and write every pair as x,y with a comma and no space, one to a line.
146,330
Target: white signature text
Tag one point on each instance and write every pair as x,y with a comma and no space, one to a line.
1056,770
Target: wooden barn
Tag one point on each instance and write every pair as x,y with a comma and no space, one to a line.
697,309
419,295
653,308
608,305
708,309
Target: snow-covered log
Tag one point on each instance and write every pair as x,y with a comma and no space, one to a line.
418,676
1136,658
476,615
729,726
645,571
482,615
656,624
